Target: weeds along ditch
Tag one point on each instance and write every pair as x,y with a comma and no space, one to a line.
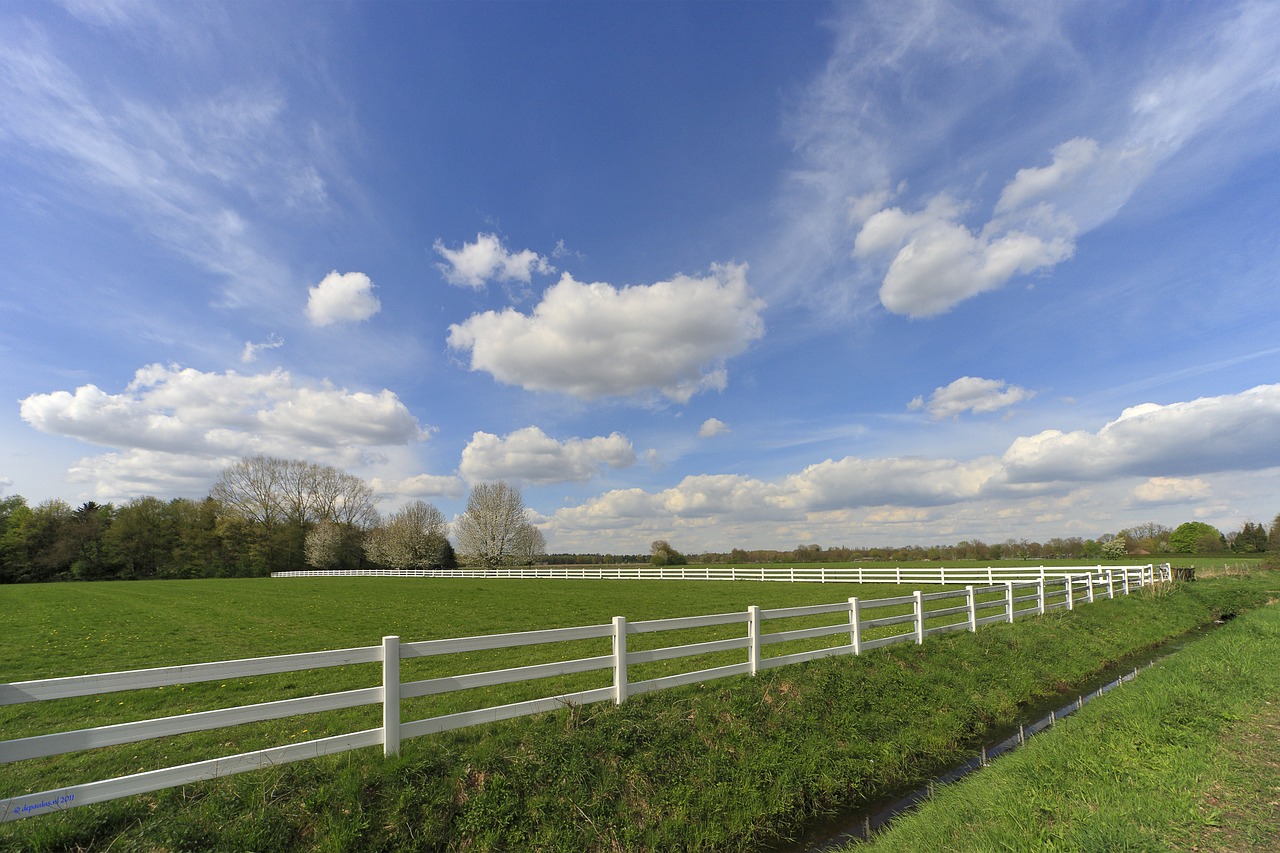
743,763
1183,758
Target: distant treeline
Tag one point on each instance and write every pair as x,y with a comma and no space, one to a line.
331,523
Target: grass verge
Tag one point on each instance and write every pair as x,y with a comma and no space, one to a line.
734,765
1184,758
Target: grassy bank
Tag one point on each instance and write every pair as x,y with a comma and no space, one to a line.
733,765
1184,758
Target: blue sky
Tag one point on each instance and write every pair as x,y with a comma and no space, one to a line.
731,275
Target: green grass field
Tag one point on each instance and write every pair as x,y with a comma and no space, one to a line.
725,766
72,629
1184,758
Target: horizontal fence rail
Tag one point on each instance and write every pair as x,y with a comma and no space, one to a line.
804,574
858,626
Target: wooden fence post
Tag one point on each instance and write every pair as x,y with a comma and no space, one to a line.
1089,581
753,633
619,659
1008,599
1040,595
919,617
972,601
390,695
1071,591
1126,581
855,625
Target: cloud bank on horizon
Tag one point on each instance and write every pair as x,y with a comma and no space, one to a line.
973,272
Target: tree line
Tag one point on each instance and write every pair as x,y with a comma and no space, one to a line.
1192,537
263,514
266,514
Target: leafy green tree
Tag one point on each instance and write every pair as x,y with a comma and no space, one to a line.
662,554
90,523
1251,539
141,539
14,517
1273,535
1196,537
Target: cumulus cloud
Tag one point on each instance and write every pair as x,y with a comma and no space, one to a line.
712,427
596,340
342,298
1226,433
183,410
971,394
529,455
1169,490
1176,447
938,262
476,264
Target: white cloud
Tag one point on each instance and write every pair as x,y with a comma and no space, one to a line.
906,80
168,414
1069,159
529,455
251,350
1168,490
420,486
595,340
712,427
1176,446
167,168
907,481
1226,433
971,394
485,260
938,262
342,298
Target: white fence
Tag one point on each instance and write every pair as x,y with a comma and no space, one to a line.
857,628
855,574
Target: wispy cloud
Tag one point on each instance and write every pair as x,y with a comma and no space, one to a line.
194,173
906,78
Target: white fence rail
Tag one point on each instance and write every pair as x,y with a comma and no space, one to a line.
859,626
854,574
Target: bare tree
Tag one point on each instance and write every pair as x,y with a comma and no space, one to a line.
412,538
268,490
493,530
252,489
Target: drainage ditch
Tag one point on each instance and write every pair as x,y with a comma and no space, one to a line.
844,830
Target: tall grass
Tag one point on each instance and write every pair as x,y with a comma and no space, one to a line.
1152,767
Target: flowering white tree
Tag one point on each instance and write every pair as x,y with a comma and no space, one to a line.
494,531
412,538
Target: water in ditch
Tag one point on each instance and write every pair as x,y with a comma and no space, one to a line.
849,828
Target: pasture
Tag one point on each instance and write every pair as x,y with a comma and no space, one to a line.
72,629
